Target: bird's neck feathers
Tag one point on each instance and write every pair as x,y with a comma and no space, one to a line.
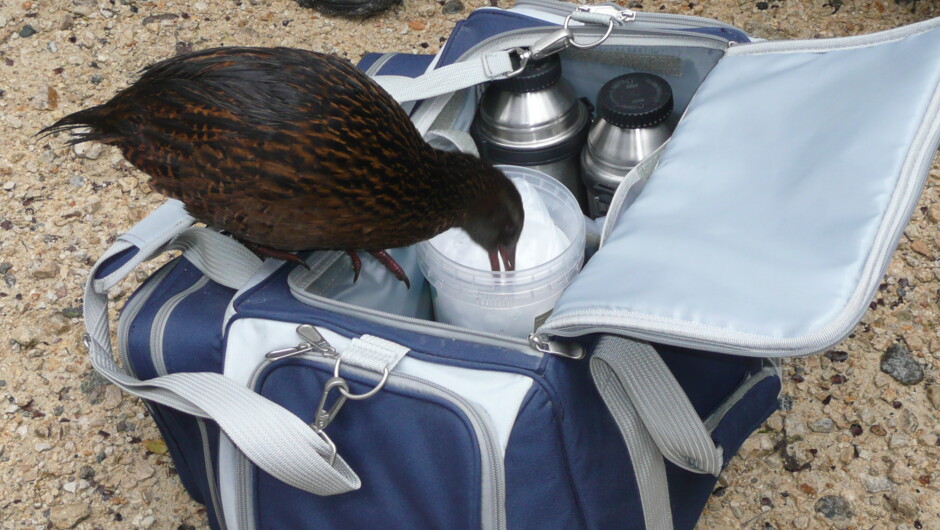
473,183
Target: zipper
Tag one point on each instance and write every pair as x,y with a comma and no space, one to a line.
543,344
130,312
319,351
158,328
210,474
563,9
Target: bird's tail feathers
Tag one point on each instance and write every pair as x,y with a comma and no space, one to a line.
96,122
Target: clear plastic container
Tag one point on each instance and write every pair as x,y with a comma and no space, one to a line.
510,303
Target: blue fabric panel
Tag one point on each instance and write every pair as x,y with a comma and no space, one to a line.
368,60
733,35
193,342
183,275
481,25
272,299
689,492
417,457
406,64
596,455
116,261
707,378
184,442
537,469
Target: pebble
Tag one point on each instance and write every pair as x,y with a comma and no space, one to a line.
42,447
46,269
26,335
901,365
27,31
112,397
933,395
921,248
900,440
933,213
833,507
877,484
823,425
77,181
57,324
89,150
83,8
69,515
900,473
903,503
452,6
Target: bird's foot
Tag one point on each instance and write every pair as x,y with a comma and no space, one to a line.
356,264
268,252
393,266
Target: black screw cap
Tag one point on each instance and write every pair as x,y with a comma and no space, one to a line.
537,75
634,101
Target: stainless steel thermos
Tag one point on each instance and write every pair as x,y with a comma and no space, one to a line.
633,120
534,119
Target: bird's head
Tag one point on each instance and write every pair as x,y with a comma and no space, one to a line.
495,221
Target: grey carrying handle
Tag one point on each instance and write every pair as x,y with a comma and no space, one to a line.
655,418
269,435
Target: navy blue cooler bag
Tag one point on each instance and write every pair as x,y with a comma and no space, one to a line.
293,398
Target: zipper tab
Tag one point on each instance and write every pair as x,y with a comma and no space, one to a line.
315,340
315,343
620,14
544,344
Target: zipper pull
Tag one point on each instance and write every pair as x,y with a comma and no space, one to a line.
617,13
544,344
315,343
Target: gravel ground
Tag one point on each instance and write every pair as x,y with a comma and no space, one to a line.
855,444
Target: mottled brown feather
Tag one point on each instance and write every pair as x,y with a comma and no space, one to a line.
295,150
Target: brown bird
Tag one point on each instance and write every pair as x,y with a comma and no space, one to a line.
295,150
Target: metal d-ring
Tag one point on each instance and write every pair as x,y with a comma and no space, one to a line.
367,395
588,46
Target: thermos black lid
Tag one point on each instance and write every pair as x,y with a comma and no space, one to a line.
634,101
537,75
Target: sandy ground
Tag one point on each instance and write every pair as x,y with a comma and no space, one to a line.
852,447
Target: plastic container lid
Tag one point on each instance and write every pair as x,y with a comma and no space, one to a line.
635,101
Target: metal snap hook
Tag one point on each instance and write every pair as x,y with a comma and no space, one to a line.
588,46
345,391
330,443
324,416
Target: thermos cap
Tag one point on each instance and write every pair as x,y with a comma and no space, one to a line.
537,75
635,101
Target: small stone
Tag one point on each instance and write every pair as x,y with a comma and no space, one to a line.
903,503
933,213
86,473
46,269
416,25
878,430
900,440
836,356
77,181
26,335
833,507
823,425
933,395
900,473
112,397
877,484
70,487
452,6
69,515
899,364
921,248
89,150
200,6
147,522
58,324
65,22
909,422
42,447
27,31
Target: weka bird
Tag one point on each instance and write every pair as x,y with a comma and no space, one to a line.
296,150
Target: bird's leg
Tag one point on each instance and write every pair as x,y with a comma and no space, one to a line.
269,252
356,264
392,266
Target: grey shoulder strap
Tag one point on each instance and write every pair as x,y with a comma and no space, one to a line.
269,435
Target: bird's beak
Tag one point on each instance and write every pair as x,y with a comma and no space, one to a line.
508,255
